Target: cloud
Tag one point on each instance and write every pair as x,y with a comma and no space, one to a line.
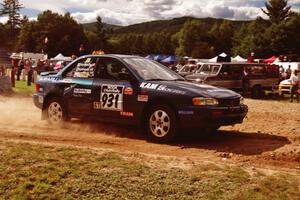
124,12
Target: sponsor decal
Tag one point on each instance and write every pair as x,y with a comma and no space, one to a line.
66,81
97,105
162,88
166,89
82,91
52,79
128,91
143,98
185,112
127,114
151,86
112,97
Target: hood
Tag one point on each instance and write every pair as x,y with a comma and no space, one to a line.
200,89
285,82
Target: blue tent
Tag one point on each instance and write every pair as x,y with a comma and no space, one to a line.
170,59
159,58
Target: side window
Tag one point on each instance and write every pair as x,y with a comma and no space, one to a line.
84,68
224,72
111,69
236,72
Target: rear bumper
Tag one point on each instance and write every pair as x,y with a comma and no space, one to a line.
212,116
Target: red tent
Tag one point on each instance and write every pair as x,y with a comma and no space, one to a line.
270,60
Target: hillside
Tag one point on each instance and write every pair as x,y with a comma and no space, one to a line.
172,25
92,26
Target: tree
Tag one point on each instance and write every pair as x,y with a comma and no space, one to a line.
277,10
64,34
222,36
12,9
194,40
101,35
252,38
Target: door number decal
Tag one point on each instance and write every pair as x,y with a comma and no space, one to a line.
112,97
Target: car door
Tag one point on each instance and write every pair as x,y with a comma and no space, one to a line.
78,82
114,91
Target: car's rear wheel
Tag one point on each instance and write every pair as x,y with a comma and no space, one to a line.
161,123
55,111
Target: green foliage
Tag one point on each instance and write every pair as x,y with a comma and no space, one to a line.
11,8
277,10
64,34
10,30
194,40
251,38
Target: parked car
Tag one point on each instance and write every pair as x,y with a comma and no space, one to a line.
134,90
229,75
191,67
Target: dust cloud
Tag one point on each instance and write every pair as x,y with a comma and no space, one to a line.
18,111
20,114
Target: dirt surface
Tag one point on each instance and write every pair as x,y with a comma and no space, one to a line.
269,138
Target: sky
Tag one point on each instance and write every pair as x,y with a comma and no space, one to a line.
126,12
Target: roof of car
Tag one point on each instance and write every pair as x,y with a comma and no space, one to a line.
235,63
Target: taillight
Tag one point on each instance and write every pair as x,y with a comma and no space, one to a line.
37,87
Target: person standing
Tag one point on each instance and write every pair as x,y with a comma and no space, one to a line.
288,72
245,81
20,68
294,80
28,68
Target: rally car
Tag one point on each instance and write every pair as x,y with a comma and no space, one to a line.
138,91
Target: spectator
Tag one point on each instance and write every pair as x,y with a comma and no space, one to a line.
20,68
81,50
29,71
282,74
245,80
288,72
294,80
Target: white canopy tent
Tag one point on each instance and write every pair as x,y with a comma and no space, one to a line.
215,59
239,59
61,57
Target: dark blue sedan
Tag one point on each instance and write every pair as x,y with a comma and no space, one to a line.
138,91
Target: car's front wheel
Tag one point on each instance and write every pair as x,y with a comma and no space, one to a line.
161,123
55,111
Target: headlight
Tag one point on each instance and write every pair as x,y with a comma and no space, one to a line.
242,100
202,101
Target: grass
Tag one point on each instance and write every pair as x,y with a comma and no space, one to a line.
47,172
22,88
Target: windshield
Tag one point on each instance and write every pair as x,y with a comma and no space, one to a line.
151,70
188,68
209,69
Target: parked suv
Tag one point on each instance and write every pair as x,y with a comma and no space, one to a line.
229,75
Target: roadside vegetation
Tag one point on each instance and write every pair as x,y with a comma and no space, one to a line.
184,36
32,171
21,88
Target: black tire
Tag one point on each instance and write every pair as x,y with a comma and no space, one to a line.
57,117
161,124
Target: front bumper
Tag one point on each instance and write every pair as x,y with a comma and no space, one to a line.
284,89
38,100
206,117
